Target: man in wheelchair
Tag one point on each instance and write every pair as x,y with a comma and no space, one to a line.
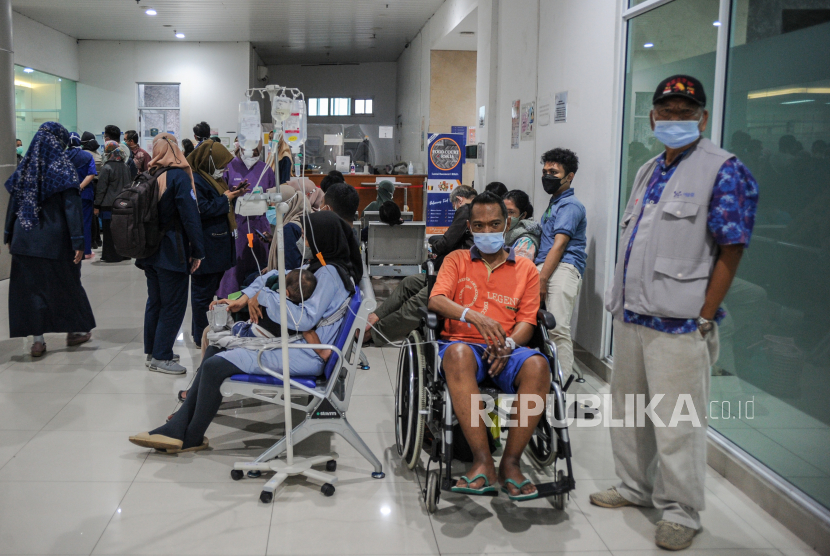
490,298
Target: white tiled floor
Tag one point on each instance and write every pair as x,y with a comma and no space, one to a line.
70,483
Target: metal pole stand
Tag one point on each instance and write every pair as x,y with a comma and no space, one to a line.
291,465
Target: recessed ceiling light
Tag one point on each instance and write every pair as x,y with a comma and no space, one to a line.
178,35
799,101
648,45
716,23
28,70
150,11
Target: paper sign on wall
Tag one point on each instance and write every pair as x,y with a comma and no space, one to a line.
528,131
481,116
334,139
385,131
560,107
515,108
544,111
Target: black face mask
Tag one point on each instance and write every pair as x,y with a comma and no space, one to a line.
551,184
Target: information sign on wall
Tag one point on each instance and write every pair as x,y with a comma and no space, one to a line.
445,160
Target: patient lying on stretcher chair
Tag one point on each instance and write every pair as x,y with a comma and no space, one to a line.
299,286
336,265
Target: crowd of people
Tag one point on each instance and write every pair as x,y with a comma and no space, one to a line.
496,265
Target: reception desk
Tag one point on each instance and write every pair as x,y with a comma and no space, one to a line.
413,193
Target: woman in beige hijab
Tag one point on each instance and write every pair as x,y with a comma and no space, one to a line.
180,253
314,194
298,207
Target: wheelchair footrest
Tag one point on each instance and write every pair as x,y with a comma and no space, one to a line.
552,489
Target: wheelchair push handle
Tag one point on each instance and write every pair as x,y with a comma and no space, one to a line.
546,318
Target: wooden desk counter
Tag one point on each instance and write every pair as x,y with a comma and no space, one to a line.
414,192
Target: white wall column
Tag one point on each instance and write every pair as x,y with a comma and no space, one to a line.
8,158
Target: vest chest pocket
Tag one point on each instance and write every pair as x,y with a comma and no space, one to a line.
681,231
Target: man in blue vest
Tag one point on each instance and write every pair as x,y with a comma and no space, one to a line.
687,222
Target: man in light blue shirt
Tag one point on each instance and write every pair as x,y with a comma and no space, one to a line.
561,258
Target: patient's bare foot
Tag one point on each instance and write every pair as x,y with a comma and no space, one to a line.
487,468
371,320
510,470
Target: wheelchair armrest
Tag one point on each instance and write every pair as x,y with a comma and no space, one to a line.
431,319
543,317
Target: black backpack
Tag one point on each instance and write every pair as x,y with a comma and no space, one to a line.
135,227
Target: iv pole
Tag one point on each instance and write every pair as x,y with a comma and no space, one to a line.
290,465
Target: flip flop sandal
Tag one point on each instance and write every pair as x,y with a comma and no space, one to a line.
157,441
205,443
486,490
519,486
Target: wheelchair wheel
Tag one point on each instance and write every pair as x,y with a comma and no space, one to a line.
410,400
542,445
432,493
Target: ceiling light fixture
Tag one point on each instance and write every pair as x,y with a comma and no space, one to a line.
28,70
716,23
648,45
798,101
178,35
150,11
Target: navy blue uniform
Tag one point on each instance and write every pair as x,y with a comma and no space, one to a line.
167,269
220,253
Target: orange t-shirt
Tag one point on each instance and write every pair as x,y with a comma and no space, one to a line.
509,294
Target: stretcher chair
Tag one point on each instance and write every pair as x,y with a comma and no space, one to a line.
327,396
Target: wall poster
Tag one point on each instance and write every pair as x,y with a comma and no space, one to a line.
528,131
515,108
445,160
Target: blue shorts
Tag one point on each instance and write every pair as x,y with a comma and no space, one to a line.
507,377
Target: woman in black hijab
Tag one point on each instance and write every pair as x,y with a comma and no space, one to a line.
333,239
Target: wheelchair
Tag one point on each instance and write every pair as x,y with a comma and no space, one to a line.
423,403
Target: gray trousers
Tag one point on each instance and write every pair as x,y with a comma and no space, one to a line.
399,313
662,466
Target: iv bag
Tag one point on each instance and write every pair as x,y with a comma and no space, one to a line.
294,128
249,125
280,108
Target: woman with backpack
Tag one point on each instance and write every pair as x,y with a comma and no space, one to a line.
113,178
218,222
180,253
45,234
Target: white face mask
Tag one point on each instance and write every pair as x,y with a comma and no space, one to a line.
249,159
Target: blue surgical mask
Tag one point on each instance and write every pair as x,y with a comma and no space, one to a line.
676,134
20,151
489,243
271,215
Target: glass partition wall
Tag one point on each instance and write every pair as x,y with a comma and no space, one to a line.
40,97
771,385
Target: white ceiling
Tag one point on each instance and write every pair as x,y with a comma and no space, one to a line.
454,40
283,31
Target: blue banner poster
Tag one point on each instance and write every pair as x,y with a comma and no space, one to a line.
446,157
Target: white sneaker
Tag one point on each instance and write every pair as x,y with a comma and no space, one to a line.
167,367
